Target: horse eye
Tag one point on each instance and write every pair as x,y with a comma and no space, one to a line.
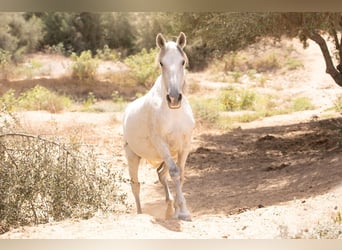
183,62
161,64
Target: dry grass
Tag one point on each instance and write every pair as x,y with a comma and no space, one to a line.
51,178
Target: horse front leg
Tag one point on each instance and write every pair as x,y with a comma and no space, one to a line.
181,211
162,174
182,157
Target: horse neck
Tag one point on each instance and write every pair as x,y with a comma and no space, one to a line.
159,89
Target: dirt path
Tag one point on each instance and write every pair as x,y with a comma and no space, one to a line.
279,177
268,182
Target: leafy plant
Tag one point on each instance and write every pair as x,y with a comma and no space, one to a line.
8,100
143,66
89,101
5,61
40,98
338,103
237,99
302,103
107,54
84,67
206,110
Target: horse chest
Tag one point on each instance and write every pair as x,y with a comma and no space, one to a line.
175,131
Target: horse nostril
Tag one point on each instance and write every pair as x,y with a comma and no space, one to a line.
168,98
180,97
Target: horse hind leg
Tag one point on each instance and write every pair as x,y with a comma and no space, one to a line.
133,167
162,171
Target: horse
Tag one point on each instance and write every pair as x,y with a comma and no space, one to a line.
158,127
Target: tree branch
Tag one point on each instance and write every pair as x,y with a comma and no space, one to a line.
330,68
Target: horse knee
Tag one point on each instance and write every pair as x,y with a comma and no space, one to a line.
174,171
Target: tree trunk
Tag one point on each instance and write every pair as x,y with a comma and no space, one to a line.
330,68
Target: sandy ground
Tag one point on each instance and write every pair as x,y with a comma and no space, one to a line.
279,177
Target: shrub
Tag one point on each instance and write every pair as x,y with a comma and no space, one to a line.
84,67
5,62
143,66
237,99
107,54
89,101
267,62
43,180
338,103
302,103
206,111
8,101
40,98
293,63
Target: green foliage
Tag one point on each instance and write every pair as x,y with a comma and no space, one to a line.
89,101
338,103
19,35
5,63
293,64
107,54
8,100
143,66
44,180
40,98
234,99
302,103
206,110
84,67
89,31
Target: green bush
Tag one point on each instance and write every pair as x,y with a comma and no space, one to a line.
143,66
40,98
302,103
84,67
8,101
293,63
206,111
5,63
338,103
107,54
237,99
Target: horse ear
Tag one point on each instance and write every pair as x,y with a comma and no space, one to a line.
160,41
181,40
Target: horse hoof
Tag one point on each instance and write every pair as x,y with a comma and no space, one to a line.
185,217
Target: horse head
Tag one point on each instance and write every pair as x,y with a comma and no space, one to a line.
172,60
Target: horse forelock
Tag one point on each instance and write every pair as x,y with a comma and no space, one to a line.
163,51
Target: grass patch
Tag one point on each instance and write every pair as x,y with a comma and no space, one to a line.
37,98
234,99
301,104
40,98
206,110
293,64
237,105
338,103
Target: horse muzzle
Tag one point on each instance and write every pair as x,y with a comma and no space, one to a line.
174,101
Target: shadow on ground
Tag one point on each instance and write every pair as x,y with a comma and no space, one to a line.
247,169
